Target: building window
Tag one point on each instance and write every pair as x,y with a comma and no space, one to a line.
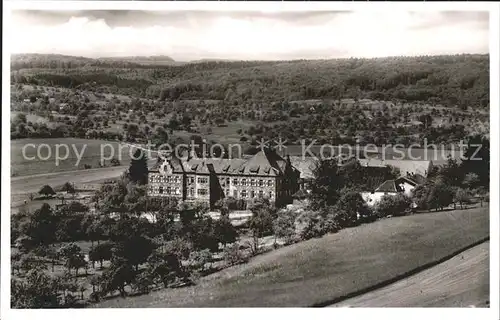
252,182
202,180
191,180
270,194
243,193
228,180
244,182
261,183
160,190
202,192
191,192
226,192
261,194
235,182
252,194
269,183
169,190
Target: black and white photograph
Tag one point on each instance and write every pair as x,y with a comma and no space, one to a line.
250,156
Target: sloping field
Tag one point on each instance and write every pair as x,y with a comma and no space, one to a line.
317,271
40,154
462,281
24,185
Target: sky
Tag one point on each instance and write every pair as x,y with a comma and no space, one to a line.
245,35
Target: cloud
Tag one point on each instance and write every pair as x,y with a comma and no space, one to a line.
192,35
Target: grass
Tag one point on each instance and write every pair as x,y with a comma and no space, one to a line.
319,270
461,281
21,187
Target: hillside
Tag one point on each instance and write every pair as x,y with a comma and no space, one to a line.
400,100
313,272
449,80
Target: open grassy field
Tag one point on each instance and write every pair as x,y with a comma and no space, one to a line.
462,281
317,271
91,150
22,186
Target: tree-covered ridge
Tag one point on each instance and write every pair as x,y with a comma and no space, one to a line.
461,80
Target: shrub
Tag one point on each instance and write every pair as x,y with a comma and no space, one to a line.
233,255
199,259
315,227
284,225
393,205
462,196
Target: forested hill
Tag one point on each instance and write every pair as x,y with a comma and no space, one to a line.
458,80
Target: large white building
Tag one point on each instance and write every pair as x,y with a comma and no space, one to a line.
266,174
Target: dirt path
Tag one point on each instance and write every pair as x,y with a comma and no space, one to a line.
462,281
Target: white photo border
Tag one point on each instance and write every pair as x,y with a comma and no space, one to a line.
215,313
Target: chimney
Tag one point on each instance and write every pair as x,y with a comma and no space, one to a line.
192,155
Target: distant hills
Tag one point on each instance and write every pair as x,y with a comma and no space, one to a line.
147,60
451,80
39,60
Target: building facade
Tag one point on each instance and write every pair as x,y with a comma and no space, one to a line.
264,175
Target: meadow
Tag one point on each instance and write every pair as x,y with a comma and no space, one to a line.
46,161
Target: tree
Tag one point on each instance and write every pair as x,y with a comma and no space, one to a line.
440,196
73,256
452,173
471,180
462,196
165,267
351,206
284,226
315,224
42,226
261,221
483,194
37,290
46,191
75,207
225,231
101,252
420,195
68,187
143,282
393,205
119,274
199,259
138,170
233,255
477,158
326,185
95,232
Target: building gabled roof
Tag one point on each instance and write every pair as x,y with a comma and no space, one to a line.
304,165
405,167
263,163
388,186
407,180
